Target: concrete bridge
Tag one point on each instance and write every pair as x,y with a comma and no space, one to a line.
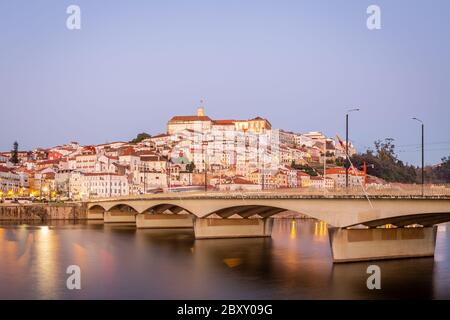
359,229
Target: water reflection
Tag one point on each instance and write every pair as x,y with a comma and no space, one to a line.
118,261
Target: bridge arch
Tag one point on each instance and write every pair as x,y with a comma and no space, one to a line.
95,212
163,207
424,219
96,206
247,211
123,207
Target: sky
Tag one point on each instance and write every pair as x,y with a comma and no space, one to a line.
300,64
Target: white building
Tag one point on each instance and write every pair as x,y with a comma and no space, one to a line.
151,180
106,164
103,185
9,180
85,162
317,183
238,184
152,163
75,185
355,179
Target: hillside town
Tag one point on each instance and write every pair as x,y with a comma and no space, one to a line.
195,153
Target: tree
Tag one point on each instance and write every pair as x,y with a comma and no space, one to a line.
190,167
340,162
439,173
386,149
305,168
15,153
141,136
384,163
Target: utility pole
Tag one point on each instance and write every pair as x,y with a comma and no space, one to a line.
205,144
145,180
423,153
263,172
347,163
324,164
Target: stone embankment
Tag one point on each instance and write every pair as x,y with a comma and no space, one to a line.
42,212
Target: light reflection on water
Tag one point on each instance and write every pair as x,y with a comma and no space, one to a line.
118,261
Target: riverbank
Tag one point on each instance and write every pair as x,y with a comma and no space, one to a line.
42,212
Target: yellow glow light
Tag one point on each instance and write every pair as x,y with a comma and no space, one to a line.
44,230
293,231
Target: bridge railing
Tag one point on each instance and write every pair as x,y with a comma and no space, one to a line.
391,190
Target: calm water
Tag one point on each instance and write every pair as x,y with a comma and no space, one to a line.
118,261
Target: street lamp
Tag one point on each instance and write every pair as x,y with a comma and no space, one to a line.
423,150
205,144
347,166
45,189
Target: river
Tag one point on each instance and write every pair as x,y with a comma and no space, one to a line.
120,262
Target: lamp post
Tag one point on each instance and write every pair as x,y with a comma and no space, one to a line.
45,190
205,144
145,180
346,145
423,152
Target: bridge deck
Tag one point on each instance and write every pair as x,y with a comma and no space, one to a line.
264,195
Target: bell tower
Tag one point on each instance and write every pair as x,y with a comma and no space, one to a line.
201,110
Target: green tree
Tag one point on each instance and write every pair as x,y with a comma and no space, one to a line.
305,168
141,136
15,153
384,163
340,161
190,167
439,173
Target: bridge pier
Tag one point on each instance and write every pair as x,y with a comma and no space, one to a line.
119,217
349,245
209,228
164,221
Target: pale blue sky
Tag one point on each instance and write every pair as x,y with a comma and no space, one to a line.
300,64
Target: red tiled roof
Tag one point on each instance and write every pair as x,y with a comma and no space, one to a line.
341,170
146,153
45,162
162,135
92,174
241,181
127,151
49,175
190,118
109,143
224,122
152,158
